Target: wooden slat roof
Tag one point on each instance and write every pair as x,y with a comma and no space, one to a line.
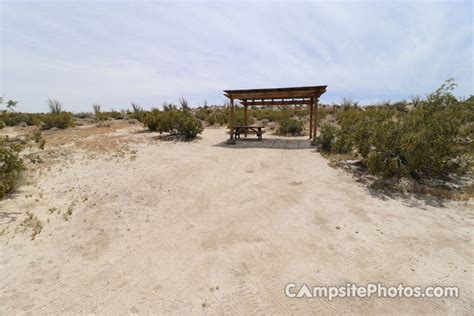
276,93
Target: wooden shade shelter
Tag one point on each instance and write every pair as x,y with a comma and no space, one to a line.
276,97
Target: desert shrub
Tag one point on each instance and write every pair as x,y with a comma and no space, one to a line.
138,113
347,120
116,115
222,116
57,117
15,118
327,136
290,126
60,120
173,120
212,115
211,120
271,114
98,114
189,126
301,112
325,111
433,139
2,125
83,115
55,106
97,108
11,165
400,106
203,113
239,117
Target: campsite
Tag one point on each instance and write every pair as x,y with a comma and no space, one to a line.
236,158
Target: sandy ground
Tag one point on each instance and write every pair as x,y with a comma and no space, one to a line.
135,224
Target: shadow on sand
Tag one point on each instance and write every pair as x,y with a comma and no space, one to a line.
8,217
269,143
385,189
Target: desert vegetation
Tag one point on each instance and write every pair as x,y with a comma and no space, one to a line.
288,124
11,164
177,121
432,139
57,118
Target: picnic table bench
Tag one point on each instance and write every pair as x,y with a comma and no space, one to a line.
257,130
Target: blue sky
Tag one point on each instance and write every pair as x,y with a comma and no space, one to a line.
115,52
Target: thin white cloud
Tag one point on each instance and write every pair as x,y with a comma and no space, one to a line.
114,52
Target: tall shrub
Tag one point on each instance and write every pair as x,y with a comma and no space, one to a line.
57,117
11,165
176,121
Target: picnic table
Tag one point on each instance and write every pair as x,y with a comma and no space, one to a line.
249,129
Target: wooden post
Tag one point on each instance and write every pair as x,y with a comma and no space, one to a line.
315,123
231,121
246,118
310,105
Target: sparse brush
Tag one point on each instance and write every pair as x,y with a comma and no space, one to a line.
184,103
328,135
290,126
68,213
55,106
138,112
38,139
11,165
136,107
431,140
174,121
96,107
33,222
52,210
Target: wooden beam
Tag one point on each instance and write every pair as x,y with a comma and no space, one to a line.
273,95
246,118
272,102
315,123
231,119
310,105
291,89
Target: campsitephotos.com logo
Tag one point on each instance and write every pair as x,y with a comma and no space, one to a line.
377,290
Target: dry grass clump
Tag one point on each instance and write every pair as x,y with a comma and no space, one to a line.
33,222
68,213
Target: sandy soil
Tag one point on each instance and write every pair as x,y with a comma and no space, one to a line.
135,224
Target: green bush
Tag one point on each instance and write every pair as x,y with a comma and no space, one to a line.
11,165
189,126
239,117
57,117
271,114
2,125
433,139
138,113
328,134
59,120
14,118
290,126
175,121
211,120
